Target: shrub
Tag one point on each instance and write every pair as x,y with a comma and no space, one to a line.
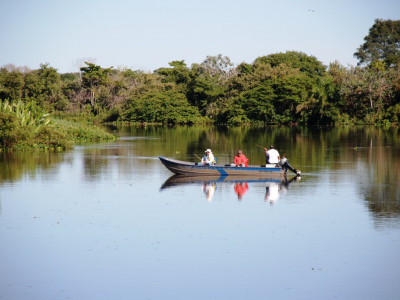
48,138
10,131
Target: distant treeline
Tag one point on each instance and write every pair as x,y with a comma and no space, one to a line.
282,88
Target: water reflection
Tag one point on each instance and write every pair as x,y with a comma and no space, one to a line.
274,186
16,165
209,189
240,189
273,190
95,215
370,155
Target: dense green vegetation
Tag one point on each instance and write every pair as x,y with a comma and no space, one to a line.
281,88
26,126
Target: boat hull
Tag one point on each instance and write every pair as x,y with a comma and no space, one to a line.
192,169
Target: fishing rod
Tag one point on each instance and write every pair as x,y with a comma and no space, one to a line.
262,147
197,156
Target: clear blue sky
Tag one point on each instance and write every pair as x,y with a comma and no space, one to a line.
148,34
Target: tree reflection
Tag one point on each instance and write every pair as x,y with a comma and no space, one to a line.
371,153
365,148
15,165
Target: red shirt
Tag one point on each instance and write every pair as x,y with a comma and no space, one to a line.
240,159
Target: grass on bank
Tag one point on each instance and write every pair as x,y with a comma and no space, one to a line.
25,126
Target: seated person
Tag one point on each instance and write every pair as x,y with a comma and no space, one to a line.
208,158
272,155
240,159
284,163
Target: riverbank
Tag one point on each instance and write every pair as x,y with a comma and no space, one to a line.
25,127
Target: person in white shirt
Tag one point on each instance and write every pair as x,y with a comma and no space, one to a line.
272,155
208,158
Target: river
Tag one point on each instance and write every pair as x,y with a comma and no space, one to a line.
107,221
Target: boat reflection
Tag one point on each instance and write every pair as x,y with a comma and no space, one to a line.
274,186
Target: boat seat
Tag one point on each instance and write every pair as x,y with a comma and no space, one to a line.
270,166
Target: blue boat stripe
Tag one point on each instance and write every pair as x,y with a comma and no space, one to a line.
222,171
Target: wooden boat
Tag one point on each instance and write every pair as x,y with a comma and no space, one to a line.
192,169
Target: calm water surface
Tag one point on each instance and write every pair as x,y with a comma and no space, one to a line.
107,221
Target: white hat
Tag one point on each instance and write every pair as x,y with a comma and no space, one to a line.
208,150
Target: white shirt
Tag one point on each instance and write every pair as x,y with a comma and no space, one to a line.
208,159
273,156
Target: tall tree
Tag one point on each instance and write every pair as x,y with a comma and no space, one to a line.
93,77
207,83
382,44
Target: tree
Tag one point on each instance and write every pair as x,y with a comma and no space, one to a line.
298,60
93,77
178,73
317,109
11,84
208,83
44,87
258,103
167,107
382,44
270,90
368,93
218,66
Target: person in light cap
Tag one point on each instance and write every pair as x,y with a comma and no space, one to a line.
208,158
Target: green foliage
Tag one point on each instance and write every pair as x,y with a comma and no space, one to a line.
44,87
291,92
10,131
271,90
178,73
49,138
11,84
280,88
305,63
170,107
76,132
26,125
112,115
393,114
257,104
382,44
94,75
369,93
208,83
318,109
27,114
94,80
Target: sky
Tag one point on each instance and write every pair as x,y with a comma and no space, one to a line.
148,34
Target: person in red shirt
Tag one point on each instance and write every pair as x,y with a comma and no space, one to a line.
240,159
